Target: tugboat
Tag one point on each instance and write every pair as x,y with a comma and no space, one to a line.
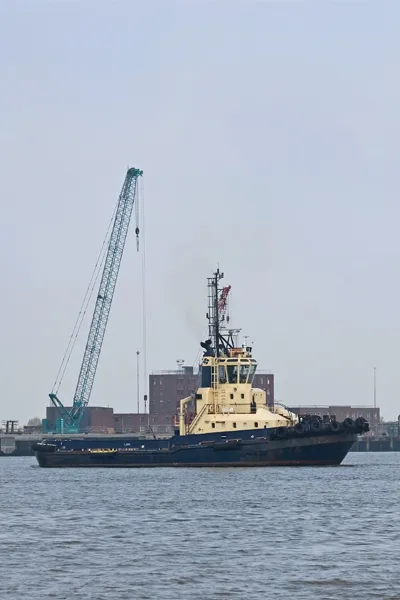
227,423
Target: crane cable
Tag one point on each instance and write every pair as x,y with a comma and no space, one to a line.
144,307
137,210
85,304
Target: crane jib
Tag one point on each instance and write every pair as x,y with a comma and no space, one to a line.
105,295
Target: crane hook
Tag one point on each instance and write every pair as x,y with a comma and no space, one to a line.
137,238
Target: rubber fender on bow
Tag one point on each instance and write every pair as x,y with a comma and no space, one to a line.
334,426
316,426
299,428
360,422
349,424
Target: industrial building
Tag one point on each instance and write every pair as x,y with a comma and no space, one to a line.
167,388
96,419
101,419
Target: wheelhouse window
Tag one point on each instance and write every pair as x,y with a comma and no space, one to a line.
252,372
244,372
232,373
222,374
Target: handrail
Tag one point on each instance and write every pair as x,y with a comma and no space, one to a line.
197,417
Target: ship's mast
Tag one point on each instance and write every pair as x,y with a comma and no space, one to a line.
217,319
213,311
217,277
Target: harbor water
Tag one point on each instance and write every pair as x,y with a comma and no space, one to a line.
201,534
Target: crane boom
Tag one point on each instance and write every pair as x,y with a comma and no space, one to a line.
102,308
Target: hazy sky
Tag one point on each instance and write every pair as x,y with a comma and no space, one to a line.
269,138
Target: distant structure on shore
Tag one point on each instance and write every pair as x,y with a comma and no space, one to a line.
166,388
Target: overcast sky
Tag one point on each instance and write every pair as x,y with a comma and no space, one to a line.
269,138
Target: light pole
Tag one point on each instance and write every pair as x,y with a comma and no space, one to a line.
137,381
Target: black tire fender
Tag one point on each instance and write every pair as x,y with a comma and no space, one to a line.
299,428
349,424
316,426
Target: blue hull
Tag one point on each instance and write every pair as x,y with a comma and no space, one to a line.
235,449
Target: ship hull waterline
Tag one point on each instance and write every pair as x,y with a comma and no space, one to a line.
322,450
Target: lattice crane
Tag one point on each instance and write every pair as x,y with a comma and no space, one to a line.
72,418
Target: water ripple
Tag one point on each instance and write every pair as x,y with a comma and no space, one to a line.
201,534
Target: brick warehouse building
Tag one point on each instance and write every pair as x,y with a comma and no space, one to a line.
96,419
102,419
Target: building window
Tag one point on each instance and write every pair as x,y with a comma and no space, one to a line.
267,381
234,425
255,424
231,395
213,425
160,381
261,380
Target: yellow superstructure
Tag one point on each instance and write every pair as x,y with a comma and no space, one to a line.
230,402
